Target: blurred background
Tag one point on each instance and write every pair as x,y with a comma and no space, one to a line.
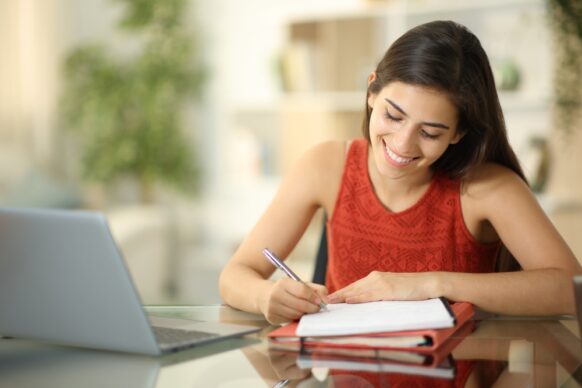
179,118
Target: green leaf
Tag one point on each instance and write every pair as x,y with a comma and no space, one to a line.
126,114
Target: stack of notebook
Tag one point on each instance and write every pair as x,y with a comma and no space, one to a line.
404,337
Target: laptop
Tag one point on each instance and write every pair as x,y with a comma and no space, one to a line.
64,280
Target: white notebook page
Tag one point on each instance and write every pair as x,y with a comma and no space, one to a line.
376,317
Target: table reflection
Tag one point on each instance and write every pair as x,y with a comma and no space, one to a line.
497,352
504,353
29,364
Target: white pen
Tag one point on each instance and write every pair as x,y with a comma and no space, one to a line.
283,267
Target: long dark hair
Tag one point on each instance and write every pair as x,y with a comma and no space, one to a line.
446,56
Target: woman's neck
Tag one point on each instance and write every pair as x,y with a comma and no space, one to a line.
399,192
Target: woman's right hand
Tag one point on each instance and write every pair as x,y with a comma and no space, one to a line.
288,299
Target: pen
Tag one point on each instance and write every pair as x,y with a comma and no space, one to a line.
283,267
281,383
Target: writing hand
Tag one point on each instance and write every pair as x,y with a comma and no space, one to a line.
287,300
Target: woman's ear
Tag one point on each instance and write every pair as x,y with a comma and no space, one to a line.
371,77
458,136
371,96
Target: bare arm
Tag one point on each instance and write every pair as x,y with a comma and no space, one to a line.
530,292
544,286
244,281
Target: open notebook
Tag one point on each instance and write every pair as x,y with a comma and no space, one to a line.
422,340
375,317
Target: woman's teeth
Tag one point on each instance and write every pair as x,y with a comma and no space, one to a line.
396,158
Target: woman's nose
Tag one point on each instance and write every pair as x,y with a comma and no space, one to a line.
405,139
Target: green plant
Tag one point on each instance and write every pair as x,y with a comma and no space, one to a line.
128,111
566,23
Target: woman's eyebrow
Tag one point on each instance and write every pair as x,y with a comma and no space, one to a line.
430,124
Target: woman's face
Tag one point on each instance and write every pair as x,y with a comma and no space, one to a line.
410,128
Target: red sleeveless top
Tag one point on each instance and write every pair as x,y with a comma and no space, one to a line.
364,236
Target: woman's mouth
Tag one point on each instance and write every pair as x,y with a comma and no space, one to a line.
395,159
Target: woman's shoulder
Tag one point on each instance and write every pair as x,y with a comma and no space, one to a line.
490,180
322,168
326,155
330,147
491,191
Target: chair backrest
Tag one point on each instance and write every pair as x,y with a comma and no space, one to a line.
577,283
321,258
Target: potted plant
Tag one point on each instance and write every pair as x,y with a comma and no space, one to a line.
566,23
128,112
565,20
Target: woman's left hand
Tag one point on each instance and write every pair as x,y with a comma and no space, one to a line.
389,286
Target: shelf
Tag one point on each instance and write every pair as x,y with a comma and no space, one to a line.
328,55
440,7
407,8
335,51
333,101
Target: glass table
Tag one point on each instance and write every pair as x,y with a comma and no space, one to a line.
500,351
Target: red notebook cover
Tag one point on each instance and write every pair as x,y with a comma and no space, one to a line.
463,311
436,363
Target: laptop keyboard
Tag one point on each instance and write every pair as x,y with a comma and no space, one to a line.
168,337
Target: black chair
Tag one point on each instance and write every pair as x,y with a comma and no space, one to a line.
321,258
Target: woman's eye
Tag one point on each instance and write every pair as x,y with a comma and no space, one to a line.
424,133
393,118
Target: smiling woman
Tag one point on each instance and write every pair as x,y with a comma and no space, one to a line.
410,128
428,204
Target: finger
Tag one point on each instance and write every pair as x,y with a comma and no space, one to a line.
303,306
282,314
340,295
283,310
305,292
321,291
336,297
287,304
295,295
319,288
361,298
351,290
